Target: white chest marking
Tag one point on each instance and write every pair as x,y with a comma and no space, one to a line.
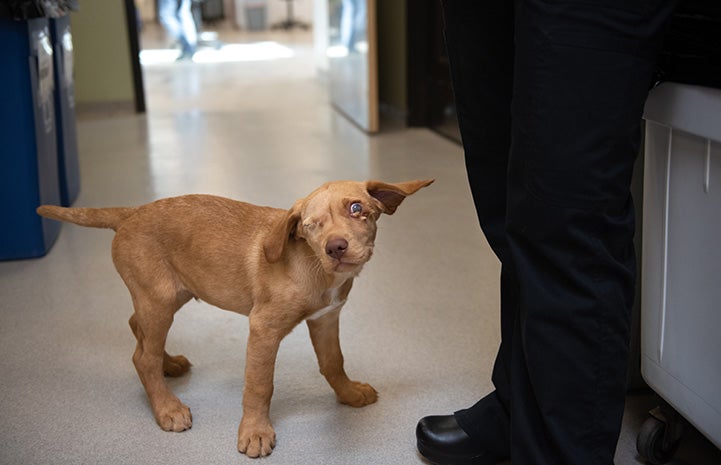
334,304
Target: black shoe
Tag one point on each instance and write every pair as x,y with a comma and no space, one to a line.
443,442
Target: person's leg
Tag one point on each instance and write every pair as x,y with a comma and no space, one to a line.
347,24
189,35
479,42
582,71
168,16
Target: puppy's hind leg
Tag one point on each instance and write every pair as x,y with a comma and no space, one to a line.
173,365
150,324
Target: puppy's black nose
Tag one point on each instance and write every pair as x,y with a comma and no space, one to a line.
336,248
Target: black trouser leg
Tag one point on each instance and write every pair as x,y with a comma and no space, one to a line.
563,230
479,40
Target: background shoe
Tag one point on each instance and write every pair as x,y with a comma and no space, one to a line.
185,56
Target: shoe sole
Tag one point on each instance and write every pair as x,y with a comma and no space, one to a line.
436,458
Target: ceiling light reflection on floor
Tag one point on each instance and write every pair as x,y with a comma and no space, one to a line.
259,51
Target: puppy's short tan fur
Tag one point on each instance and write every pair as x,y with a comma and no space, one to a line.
278,267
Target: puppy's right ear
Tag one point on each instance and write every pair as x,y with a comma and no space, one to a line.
283,230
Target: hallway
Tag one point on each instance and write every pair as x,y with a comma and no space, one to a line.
421,324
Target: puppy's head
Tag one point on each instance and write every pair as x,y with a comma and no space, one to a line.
338,221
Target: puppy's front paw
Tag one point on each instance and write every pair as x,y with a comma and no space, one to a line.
174,417
255,439
357,394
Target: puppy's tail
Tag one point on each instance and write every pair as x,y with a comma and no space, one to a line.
109,218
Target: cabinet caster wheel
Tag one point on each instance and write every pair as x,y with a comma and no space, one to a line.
653,444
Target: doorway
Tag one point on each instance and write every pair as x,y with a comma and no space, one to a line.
430,93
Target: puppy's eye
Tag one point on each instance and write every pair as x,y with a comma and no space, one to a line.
356,209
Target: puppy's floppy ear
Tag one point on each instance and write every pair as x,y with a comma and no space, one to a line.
281,233
391,195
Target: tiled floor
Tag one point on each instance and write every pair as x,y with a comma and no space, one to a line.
421,324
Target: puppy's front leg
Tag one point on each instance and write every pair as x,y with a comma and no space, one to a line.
256,436
324,335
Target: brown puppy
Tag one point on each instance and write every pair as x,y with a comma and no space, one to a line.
278,267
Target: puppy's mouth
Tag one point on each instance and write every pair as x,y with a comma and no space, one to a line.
347,264
344,266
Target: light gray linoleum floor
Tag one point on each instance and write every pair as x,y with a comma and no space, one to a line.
421,324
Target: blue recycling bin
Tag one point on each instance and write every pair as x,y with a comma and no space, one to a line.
28,158
68,163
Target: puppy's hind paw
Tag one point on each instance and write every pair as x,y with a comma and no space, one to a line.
175,365
358,394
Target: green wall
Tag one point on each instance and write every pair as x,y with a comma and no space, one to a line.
392,63
103,72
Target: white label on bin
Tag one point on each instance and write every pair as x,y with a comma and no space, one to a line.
68,57
46,79
67,48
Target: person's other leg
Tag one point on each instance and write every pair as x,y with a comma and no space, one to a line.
168,16
479,42
582,72
189,36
